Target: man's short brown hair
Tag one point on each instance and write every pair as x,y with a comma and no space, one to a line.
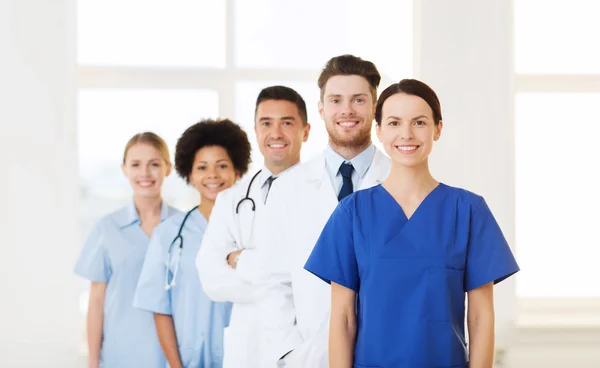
350,65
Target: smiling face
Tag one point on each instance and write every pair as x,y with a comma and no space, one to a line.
280,132
145,169
408,130
347,110
212,172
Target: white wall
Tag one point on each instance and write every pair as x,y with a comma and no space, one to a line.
464,52
40,325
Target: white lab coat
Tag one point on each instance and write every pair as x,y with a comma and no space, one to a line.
228,232
295,309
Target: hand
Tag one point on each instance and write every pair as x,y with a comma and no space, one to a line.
232,258
93,363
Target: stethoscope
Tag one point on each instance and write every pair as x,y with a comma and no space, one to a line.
247,197
179,237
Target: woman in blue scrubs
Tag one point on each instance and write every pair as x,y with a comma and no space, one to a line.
211,156
401,256
112,257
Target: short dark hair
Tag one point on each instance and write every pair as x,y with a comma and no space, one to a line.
411,87
350,65
283,93
224,133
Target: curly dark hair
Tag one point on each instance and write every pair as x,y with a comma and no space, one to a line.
224,133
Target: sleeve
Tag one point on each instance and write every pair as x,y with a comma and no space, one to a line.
489,257
219,281
94,263
150,293
333,258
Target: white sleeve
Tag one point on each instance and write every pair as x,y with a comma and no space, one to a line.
219,281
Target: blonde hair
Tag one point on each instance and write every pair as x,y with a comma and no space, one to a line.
152,139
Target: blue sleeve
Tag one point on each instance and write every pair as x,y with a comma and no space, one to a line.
150,293
333,258
489,258
94,263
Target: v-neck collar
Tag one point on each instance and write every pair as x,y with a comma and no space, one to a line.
423,203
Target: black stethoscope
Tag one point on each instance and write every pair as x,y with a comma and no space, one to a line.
247,197
179,237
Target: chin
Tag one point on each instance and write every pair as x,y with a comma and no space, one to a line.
147,192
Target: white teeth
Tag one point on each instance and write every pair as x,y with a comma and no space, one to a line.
212,186
347,123
406,148
277,145
145,183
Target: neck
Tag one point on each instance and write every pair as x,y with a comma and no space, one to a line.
147,207
410,181
206,207
349,152
278,169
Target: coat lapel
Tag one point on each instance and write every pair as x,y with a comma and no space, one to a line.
378,171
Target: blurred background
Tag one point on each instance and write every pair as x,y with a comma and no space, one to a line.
519,83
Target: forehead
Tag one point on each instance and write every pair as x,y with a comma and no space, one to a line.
143,151
347,85
403,105
276,108
211,154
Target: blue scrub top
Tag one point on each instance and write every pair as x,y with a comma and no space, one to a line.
114,254
411,275
199,322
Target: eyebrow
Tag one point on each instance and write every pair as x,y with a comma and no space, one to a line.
282,118
415,118
354,95
205,162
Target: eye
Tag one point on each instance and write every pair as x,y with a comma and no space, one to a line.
156,164
360,100
288,123
335,101
394,123
419,122
201,168
266,123
135,165
223,166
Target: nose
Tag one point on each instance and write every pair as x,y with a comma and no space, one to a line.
406,132
212,172
277,131
347,108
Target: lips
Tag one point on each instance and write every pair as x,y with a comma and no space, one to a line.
146,183
407,149
214,186
347,124
277,146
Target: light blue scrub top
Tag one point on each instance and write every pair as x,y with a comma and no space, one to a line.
199,322
411,275
114,253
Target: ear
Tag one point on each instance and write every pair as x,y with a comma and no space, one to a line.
237,175
169,169
306,132
438,131
320,106
123,169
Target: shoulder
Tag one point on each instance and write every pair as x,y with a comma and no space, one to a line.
312,168
357,201
464,198
172,211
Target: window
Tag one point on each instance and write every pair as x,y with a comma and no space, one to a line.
556,125
152,65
